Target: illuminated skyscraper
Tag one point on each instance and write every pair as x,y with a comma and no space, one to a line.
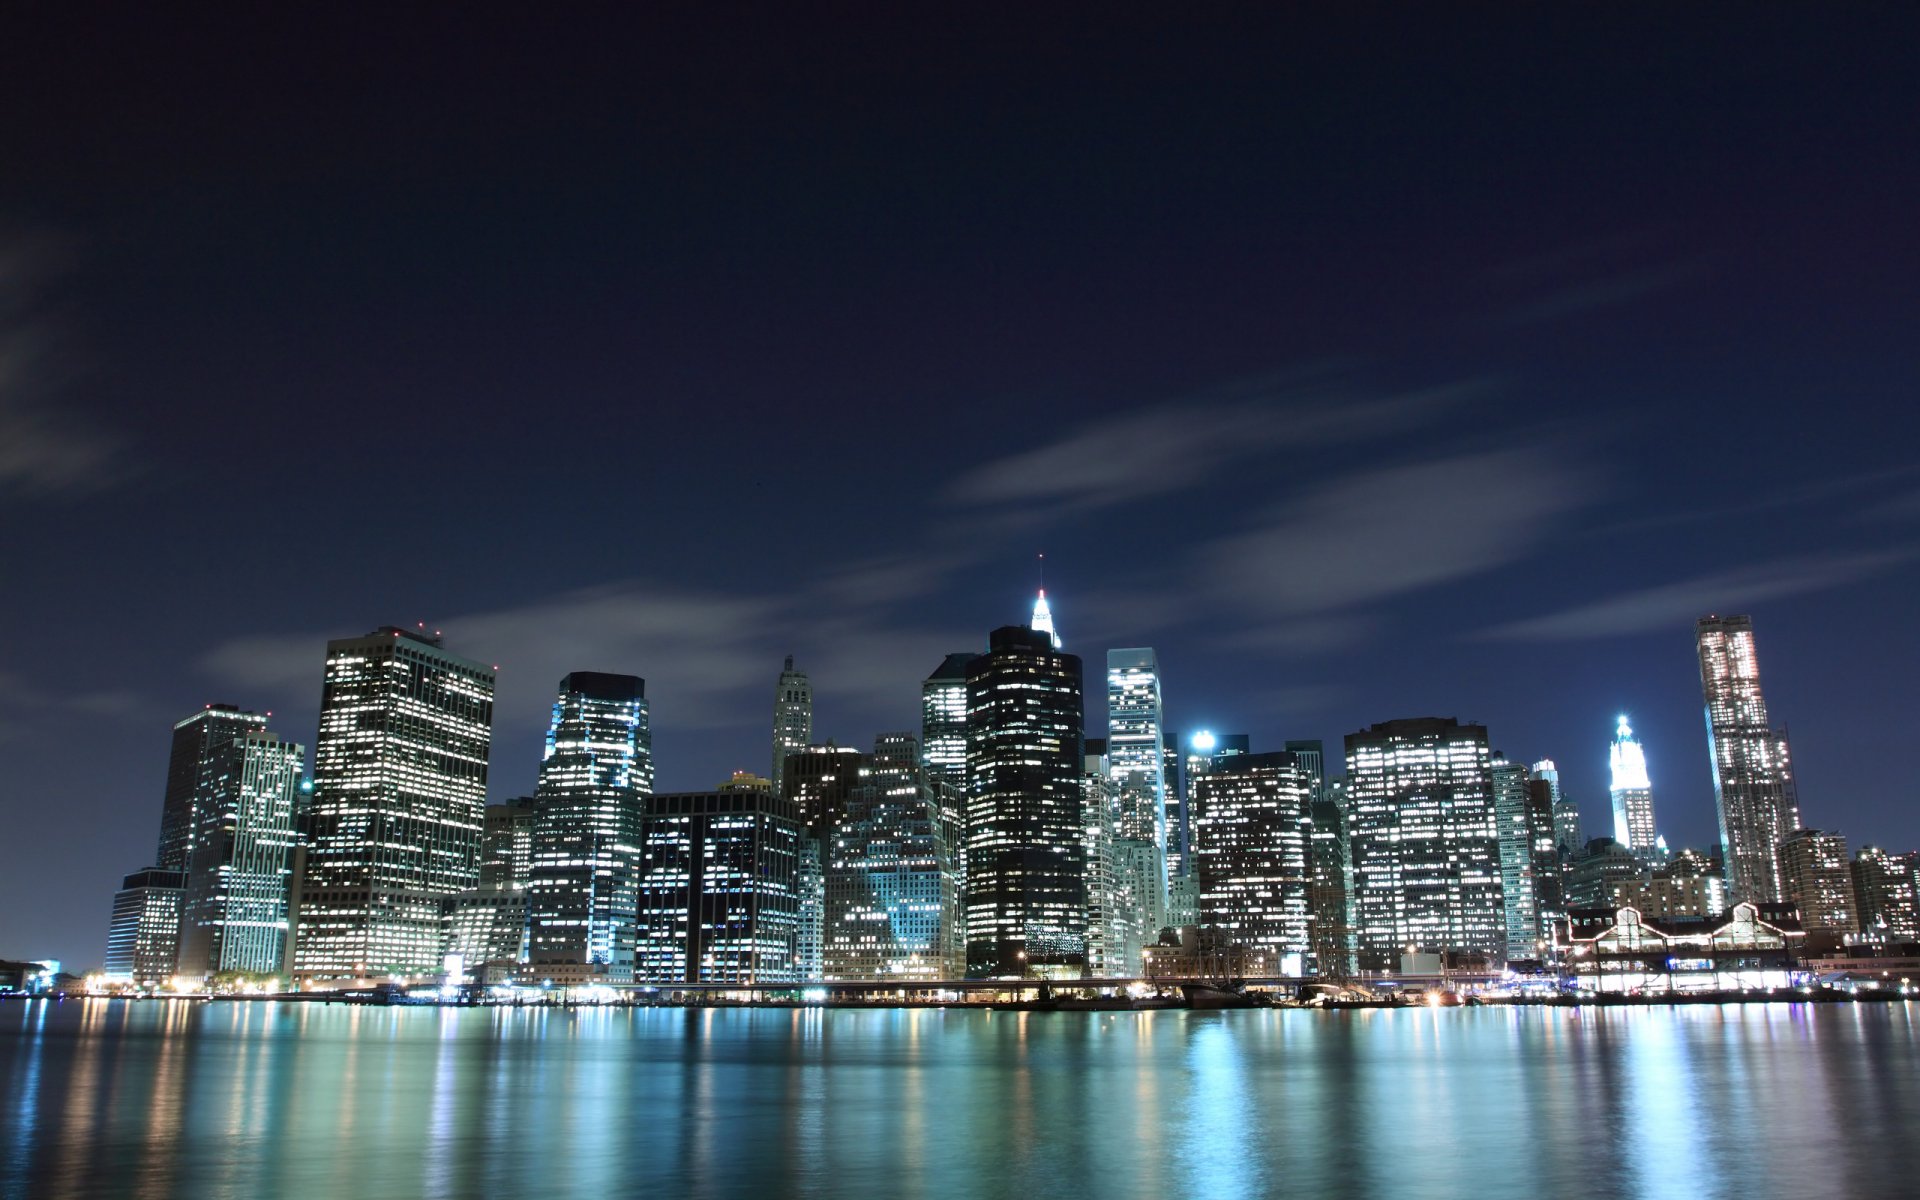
1884,896
1253,827
1043,618
234,909
892,875
1632,792
1511,784
487,927
717,901
792,718
1817,879
820,782
399,789
1136,764
1752,777
582,876
1331,895
1425,843
1026,888
1567,834
943,721
194,771
143,939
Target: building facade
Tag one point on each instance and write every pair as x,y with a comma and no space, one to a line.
717,894
195,772
1252,857
1752,775
143,935
234,905
1332,895
1884,895
399,792
1424,840
943,721
1818,880
583,871
892,875
1026,885
792,718
1136,764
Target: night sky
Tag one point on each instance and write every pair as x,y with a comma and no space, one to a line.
1380,368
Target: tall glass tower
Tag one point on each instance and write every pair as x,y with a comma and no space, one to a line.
1752,777
792,719
399,789
1511,784
943,721
195,771
234,914
1136,764
1632,791
582,880
1026,884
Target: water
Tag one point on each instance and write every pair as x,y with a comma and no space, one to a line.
164,1099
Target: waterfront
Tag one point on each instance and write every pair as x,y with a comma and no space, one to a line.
160,1099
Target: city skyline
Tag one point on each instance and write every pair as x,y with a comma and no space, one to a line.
1553,356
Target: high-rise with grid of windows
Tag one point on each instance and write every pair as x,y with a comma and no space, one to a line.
234,906
1253,829
399,789
582,871
1026,880
1752,776
1424,840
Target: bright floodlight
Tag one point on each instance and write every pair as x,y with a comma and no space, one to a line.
1203,741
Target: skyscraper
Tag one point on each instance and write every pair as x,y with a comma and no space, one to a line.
1203,749
234,906
820,782
193,772
1026,893
892,875
717,901
1253,827
1331,897
943,721
1884,896
1816,877
1752,778
1043,618
1567,834
582,877
399,785
792,718
1136,764
1632,792
1511,783
487,926
143,937
1425,844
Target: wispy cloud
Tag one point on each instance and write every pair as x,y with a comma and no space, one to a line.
1607,291
1672,605
1379,533
46,449
1172,447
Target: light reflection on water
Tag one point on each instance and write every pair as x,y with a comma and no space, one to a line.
178,1099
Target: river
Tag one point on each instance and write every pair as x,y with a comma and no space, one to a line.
162,1099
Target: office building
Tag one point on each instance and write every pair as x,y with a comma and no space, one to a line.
1202,749
1632,792
1253,829
717,896
1025,888
234,905
1599,870
1752,775
1136,764
1511,793
1818,880
1425,844
1549,868
143,936
943,721
506,844
582,879
892,875
1567,834
399,793
1884,895
792,718
1330,900
195,771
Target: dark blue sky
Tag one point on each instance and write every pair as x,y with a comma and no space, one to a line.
1382,367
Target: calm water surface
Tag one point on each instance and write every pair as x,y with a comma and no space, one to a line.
181,1099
